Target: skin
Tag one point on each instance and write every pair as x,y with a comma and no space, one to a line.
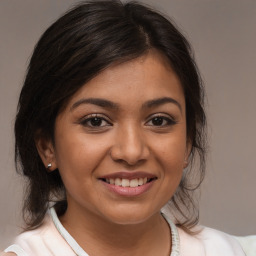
126,139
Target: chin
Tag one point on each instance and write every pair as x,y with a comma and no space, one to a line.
129,216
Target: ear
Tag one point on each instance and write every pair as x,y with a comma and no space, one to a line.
187,154
46,151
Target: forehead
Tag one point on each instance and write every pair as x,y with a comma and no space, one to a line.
144,78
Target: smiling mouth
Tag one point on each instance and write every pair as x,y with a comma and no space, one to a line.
132,183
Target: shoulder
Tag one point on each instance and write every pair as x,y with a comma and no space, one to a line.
210,242
248,243
42,241
37,236
222,243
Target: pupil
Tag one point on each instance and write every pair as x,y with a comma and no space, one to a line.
157,121
96,121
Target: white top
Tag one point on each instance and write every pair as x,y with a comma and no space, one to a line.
52,239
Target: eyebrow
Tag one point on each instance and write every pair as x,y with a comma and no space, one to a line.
161,101
96,101
112,105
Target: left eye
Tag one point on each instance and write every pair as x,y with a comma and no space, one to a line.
160,121
95,122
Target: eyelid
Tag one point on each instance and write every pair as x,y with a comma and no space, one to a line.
88,117
99,115
163,115
167,117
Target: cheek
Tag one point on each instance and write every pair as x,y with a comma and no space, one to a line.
76,149
171,151
77,160
170,154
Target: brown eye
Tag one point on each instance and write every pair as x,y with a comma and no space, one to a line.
157,121
161,121
95,121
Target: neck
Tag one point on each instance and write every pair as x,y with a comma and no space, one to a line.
98,236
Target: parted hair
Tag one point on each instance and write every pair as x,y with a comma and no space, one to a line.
83,42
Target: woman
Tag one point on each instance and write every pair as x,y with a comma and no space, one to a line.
110,121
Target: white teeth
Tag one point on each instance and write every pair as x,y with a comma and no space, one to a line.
127,183
141,181
118,182
134,183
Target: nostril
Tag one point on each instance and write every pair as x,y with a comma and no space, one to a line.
129,155
131,165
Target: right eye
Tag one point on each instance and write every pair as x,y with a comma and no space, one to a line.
95,121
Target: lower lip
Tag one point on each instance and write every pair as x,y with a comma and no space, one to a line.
128,191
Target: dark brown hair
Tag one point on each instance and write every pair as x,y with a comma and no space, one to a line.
78,46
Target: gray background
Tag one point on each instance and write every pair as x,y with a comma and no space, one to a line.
223,35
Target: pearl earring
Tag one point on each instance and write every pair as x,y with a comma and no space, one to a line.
49,166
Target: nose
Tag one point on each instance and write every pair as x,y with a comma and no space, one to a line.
130,146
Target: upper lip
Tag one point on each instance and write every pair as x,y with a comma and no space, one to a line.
128,175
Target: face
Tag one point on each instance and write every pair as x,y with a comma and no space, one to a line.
120,144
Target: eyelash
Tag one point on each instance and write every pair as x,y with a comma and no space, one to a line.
168,121
85,121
